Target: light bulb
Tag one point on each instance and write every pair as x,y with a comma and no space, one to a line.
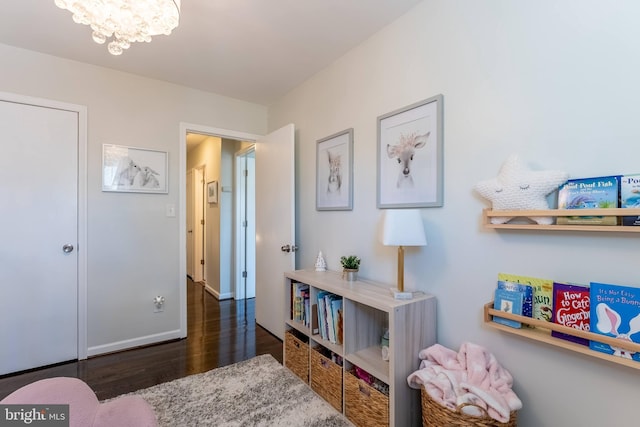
114,48
98,37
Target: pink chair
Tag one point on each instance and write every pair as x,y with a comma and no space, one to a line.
84,408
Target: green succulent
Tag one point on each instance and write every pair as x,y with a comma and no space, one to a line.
351,262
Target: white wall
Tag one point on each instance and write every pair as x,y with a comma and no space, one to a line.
557,83
133,248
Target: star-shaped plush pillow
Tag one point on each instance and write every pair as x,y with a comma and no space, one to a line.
518,188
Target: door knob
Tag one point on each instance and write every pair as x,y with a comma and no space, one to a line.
68,248
288,248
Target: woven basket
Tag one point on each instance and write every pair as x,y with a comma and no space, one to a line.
326,379
296,356
436,415
364,405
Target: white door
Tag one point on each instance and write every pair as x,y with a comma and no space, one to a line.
39,234
195,226
275,225
198,225
246,228
190,221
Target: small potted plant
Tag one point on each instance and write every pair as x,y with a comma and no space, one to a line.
350,267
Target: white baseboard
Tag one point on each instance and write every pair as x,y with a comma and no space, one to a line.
132,343
217,294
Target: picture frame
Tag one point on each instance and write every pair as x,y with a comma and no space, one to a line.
134,170
212,192
410,156
334,172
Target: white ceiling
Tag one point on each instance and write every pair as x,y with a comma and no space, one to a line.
253,50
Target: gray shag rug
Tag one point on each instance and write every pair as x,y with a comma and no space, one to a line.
255,392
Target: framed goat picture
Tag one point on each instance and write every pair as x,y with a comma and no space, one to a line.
410,156
134,170
212,192
334,172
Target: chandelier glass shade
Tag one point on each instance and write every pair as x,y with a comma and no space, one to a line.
124,21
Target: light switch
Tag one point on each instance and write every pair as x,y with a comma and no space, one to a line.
171,211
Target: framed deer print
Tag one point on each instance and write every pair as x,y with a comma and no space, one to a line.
410,156
334,172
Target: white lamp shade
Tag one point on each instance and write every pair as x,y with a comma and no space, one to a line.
403,227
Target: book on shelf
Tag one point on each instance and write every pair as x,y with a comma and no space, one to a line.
527,295
333,309
300,300
630,197
571,307
331,332
589,193
314,319
324,333
542,294
336,315
615,312
508,301
329,317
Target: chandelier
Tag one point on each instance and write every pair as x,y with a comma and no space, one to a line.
125,21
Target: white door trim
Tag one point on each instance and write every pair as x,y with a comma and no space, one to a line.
182,203
81,110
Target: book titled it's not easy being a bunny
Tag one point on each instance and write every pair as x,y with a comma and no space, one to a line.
615,312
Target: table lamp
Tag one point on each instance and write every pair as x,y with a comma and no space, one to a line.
402,227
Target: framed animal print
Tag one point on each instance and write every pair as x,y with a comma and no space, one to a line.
334,172
410,156
134,170
212,192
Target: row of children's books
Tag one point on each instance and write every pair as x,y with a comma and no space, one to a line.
330,317
617,191
605,309
323,315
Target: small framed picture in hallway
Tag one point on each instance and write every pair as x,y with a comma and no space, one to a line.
212,192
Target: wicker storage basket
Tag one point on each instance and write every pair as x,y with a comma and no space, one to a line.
326,379
364,405
296,356
436,415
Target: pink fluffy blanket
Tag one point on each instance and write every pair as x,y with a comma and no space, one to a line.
470,376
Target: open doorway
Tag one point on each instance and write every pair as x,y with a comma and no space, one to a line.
217,261
275,228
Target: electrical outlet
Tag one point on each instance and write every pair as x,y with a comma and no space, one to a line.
158,303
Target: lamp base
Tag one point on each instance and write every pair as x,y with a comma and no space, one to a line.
397,294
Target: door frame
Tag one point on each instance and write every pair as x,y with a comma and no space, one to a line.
82,178
182,203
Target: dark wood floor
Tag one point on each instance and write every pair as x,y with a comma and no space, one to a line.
219,333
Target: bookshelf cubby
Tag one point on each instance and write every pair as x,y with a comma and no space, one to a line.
541,331
521,223
368,309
